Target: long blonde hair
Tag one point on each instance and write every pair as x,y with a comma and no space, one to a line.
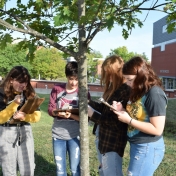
111,75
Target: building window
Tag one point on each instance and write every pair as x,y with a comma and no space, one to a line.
170,83
164,28
164,83
174,83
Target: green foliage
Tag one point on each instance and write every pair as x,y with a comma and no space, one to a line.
92,65
125,54
4,40
2,2
46,62
49,64
57,20
171,19
10,57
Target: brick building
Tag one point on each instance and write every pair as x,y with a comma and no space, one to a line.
45,86
164,54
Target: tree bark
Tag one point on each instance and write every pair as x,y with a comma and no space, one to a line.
83,91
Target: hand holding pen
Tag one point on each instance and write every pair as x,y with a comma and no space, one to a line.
114,106
117,106
18,99
118,109
122,115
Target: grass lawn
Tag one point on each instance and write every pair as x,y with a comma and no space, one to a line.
43,146
45,165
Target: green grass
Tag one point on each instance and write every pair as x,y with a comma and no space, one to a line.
45,165
43,147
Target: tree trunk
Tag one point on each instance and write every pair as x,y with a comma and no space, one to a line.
83,91
84,135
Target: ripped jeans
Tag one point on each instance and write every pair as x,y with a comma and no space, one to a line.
60,149
145,158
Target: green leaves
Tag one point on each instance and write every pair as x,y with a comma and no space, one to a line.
110,22
66,11
46,62
125,54
171,19
10,57
4,40
58,20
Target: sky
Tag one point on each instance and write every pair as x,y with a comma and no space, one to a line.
140,40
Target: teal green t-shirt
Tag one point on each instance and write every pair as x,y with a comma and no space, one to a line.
152,104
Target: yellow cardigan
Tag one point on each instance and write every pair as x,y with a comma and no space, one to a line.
8,112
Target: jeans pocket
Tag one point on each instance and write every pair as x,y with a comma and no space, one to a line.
158,155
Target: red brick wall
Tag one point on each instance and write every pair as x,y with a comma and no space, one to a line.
49,85
164,62
171,94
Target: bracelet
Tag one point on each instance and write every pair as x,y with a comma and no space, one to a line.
130,121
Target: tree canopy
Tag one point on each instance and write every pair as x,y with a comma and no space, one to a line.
47,63
9,58
125,54
55,21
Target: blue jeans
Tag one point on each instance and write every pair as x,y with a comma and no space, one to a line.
60,149
99,155
145,158
112,164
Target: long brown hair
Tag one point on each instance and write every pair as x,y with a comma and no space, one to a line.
145,77
113,65
20,74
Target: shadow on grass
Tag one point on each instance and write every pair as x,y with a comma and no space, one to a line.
43,167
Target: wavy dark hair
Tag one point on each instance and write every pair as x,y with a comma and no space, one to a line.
20,74
145,77
113,65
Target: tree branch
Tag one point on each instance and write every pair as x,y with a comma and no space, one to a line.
90,29
38,35
129,10
15,17
98,29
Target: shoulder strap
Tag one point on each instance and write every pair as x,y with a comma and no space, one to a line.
62,96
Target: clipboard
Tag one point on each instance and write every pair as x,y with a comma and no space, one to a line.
31,105
73,111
